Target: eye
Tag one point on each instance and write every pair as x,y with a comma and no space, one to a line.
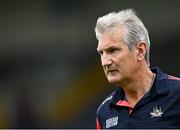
112,50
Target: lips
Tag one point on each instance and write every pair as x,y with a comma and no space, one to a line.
111,71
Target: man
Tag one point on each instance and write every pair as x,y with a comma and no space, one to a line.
145,98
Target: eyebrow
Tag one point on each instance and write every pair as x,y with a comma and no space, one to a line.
108,47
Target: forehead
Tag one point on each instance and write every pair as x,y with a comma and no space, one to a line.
112,37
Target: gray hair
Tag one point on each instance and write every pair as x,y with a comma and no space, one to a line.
135,29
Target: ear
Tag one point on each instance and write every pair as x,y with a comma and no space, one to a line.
141,50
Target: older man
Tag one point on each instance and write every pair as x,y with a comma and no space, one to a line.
145,97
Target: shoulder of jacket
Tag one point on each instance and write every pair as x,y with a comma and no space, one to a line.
106,102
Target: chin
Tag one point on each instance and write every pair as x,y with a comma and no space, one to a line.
113,80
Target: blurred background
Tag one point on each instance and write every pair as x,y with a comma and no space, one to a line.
50,72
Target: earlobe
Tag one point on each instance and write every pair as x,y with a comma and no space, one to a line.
141,50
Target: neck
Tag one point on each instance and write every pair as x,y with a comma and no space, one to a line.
139,86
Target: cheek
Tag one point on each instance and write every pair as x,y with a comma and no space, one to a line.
121,60
131,64
126,61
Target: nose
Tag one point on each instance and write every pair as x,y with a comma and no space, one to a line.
106,60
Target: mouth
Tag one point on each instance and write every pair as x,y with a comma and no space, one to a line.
111,71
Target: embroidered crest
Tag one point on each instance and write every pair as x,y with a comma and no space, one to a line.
111,122
156,112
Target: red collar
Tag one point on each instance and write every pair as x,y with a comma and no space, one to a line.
124,103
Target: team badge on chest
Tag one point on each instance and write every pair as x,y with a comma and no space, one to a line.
157,112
